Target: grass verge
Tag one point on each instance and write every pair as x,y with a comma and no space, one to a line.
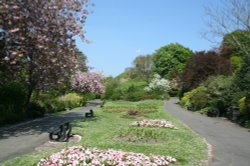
111,130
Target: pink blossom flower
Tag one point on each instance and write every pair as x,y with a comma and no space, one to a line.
78,155
14,30
87,82
153,123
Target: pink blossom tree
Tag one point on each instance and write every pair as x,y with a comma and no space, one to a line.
37,44
87,82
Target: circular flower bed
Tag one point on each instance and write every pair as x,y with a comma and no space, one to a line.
78,155
153,123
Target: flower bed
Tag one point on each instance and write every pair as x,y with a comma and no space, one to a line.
78,155
153,123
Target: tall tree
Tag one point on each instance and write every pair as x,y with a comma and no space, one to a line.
230,16
141,67
82,61
234,16
39,39
86,82
170,60
202,65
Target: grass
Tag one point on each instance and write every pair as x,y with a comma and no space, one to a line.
112,130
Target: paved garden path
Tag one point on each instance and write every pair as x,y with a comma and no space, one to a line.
231,143
25,137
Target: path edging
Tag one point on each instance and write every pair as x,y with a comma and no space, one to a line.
210,154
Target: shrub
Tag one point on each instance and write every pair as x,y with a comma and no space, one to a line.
158,84
110,85
186,99
49,103
129,90
69,101
200,99
35,111
208,94
52,104
13,98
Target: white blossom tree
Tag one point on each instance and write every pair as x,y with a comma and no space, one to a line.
158,84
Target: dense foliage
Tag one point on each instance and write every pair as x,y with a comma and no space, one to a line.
202,65
39,62
207,94
38,46
12,97
130,90
170,60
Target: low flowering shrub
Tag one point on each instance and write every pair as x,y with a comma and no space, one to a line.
78,155
153,123
158,84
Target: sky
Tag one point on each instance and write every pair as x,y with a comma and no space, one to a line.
120,30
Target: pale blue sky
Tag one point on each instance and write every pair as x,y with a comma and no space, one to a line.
120,30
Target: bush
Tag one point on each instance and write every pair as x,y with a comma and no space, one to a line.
69,101
49,103
13,98
208,94
110,85
52,104
129,90
186,99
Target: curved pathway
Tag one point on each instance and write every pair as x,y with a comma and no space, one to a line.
23,138
230,142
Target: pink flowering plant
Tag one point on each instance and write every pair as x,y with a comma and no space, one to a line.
153,123
78,155
87,82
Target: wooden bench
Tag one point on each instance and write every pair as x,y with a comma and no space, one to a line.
89,114
61,133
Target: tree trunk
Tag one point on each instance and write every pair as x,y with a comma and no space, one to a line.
31,83
30,91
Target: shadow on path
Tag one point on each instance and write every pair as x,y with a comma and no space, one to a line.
24,137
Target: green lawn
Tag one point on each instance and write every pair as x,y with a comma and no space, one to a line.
110,129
